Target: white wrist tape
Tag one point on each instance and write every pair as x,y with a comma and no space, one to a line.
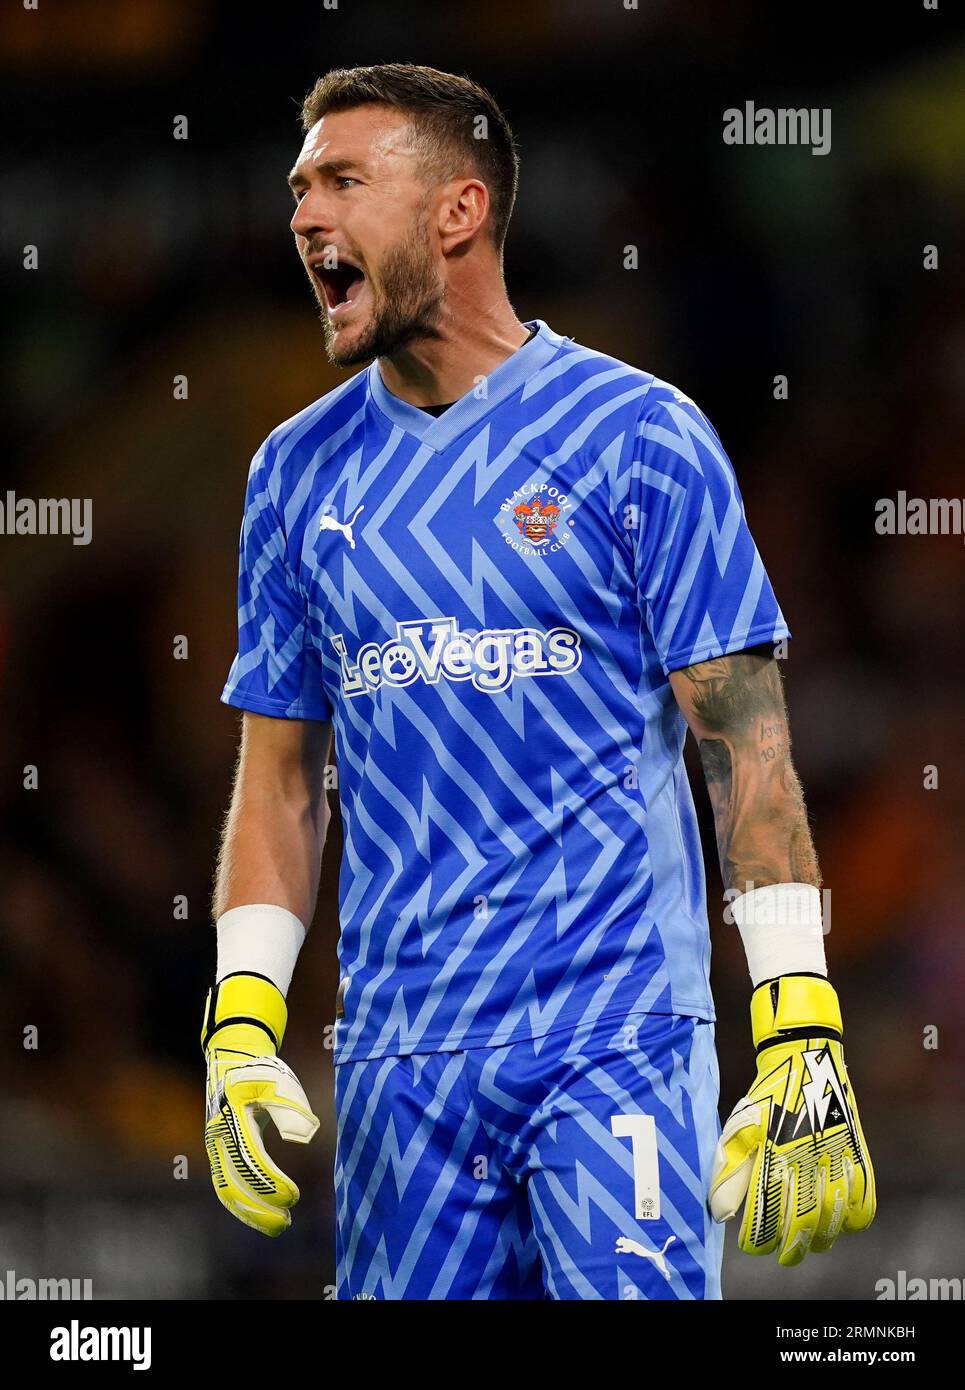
780,926
259,939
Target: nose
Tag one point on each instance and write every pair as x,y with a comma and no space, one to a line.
310,216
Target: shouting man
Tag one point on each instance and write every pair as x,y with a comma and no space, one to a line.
509,572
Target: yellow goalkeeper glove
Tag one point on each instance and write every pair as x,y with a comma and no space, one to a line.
244,1023
793,1146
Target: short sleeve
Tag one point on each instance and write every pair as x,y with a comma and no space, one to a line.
700,579
277,670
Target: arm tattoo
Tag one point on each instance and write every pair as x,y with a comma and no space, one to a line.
735,706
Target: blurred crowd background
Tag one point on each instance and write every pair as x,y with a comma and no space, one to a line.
161,258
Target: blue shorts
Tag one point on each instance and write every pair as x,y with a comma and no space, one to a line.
573,1166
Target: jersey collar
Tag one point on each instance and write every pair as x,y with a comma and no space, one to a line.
438,431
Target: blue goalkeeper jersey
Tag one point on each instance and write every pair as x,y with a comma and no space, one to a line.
486,604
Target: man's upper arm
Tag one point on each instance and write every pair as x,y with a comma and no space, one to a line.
735,698
701,582
278,670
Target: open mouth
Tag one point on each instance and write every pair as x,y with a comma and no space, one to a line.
342,285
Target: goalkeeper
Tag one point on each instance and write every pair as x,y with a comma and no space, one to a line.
503,601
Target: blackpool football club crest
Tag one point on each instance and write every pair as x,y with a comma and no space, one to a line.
534,519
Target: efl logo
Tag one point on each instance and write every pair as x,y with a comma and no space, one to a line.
430,649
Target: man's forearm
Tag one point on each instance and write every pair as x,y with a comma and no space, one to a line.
271,853
812,1167
274,833
736,709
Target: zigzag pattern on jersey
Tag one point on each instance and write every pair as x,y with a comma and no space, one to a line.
493,838
469,590
716,537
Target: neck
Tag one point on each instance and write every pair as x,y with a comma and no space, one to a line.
469,343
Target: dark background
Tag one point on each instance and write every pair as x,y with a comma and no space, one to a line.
160,257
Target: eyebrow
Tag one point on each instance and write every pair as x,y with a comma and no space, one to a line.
325,166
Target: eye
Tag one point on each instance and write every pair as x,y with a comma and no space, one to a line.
342,181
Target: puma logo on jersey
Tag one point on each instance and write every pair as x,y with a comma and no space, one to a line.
330,523
625,1246
432,649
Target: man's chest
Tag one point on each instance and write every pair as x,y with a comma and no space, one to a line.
463,567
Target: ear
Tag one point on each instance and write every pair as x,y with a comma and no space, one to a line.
463,208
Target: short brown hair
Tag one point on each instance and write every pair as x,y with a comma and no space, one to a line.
444,110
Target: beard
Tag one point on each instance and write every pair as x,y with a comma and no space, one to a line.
406,306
